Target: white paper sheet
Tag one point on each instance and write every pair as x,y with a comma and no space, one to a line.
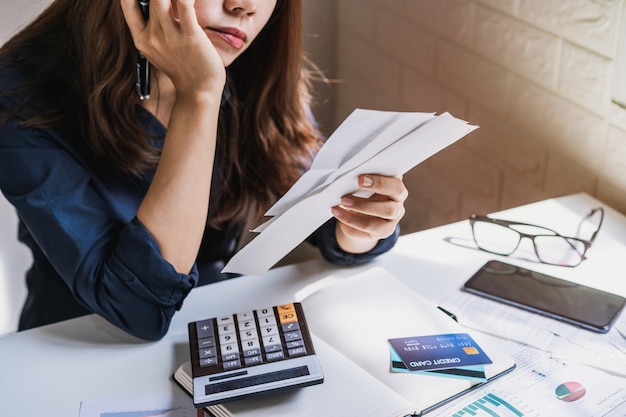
542,386
367,142
604,351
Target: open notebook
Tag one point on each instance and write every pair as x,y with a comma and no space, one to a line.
351,320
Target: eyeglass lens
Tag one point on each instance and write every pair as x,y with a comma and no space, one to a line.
559,250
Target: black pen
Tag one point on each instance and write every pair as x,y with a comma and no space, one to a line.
143,65
449,314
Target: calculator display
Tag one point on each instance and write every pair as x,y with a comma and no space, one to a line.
252,352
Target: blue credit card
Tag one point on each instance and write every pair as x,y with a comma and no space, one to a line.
474,373
442,351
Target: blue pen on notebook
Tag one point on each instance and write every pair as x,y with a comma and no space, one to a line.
143,65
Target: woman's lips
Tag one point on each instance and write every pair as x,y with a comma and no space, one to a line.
234,37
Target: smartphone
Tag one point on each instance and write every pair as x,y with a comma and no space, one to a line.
563,300
143,65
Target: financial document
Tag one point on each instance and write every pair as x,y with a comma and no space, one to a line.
564,341
543,386
367,142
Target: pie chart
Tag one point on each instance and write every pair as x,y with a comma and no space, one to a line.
570,391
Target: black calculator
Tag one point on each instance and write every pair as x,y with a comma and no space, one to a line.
250,353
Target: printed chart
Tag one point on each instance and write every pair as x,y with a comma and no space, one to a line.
570,391
490,405
542,386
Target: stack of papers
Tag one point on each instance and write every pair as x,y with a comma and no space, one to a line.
367,142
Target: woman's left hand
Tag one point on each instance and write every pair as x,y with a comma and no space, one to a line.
362,222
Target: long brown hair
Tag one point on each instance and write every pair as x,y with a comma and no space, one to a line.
265,137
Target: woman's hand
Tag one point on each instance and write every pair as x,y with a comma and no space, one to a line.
174,42
362,222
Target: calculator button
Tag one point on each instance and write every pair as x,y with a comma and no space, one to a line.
265,312
230,356
247,335
287,313
253,360
212,361
226,328
228,338
291,336
290,327
267,321
271,342
272,348
205,353
247,324
204,329
206,343
275,356
297,351
232,364
287,317
250,345
286,308
251,352
248,315
269,331
230,348
271,339
294,344
225,320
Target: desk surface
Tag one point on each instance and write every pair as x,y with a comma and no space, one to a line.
56,367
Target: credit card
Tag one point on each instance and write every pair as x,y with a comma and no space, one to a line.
442,351
474,373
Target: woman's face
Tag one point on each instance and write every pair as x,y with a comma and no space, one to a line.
232,25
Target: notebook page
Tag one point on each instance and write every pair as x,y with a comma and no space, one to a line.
347,391
359,314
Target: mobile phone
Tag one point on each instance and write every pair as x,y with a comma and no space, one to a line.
143,65
563,300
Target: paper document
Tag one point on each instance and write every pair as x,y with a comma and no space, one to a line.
367,142
542,386
604,351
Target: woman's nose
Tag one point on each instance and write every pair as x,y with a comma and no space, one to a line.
240,7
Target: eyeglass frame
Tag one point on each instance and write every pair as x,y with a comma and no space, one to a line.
507,223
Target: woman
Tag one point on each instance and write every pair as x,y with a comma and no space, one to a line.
125,204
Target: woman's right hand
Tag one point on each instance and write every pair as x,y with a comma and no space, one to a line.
174,42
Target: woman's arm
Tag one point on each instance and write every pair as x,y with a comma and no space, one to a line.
83,223
175,207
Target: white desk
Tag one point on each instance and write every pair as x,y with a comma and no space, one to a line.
50,370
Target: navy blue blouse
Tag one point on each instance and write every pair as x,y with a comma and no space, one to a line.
90,253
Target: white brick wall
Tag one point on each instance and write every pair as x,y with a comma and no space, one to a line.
536,75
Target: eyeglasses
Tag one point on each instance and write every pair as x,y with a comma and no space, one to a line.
502,237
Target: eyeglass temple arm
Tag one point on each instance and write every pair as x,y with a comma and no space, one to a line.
591,213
